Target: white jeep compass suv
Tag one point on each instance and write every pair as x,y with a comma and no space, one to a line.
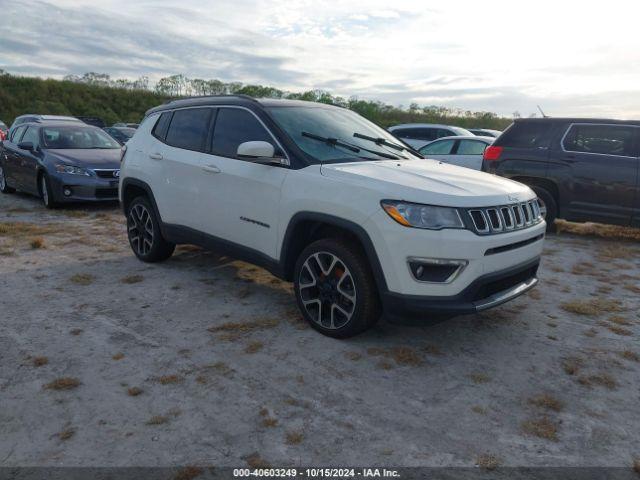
317,195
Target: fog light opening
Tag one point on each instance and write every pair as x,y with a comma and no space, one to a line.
67,191
435,270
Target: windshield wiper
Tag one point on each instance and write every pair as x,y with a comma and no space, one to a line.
349,146
380,141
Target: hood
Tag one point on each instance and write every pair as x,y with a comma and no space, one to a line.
430,182
88,158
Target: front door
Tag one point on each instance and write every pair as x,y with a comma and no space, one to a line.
241,198
603,165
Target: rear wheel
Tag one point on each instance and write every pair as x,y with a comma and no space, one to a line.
143,230
4,187
45,192
335,288
548,206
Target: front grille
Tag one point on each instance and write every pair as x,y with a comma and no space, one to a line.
113,173
106,192
505,218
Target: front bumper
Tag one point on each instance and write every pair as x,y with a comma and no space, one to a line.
485,292
83,189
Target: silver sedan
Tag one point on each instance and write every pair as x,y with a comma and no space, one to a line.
465,151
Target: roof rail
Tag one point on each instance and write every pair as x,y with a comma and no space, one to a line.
194,97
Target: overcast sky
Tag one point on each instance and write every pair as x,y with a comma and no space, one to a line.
572,58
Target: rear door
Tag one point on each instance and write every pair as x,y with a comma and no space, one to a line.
27,168
11,157
468,154
602,171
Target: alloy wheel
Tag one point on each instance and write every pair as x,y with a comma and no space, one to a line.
140,229
327,290
543,208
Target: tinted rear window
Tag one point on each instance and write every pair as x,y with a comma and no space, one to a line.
189,128
602,139
161,127
526,135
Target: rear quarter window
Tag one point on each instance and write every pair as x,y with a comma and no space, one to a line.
526,135
162,126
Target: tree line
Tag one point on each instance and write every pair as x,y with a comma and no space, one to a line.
122,100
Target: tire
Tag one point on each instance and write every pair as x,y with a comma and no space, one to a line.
335,289
548,204
143,231
4,187
45,191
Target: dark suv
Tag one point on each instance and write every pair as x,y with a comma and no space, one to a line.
581,169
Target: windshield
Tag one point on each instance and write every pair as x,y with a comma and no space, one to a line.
76,137
339,124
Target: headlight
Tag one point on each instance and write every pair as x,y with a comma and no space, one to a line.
62,168
422,216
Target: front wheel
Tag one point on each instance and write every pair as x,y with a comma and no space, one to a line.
4,187
143,231
335,288
45,192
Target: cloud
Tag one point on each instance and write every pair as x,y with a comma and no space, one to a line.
505,58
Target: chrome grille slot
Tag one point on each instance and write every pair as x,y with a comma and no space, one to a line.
479,221
507,218
494,219
517,211
527,213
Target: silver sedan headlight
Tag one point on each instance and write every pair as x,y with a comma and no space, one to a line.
416,215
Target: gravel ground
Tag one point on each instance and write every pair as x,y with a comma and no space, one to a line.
106,361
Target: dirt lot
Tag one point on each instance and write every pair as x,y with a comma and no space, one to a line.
203,360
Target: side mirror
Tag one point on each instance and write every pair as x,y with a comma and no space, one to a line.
26,146
259,152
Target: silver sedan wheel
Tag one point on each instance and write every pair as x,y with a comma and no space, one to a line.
327,290
140,229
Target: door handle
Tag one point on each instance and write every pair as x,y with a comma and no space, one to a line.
155,156
211,169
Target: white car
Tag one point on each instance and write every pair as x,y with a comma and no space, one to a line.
418,135
461,151
325,199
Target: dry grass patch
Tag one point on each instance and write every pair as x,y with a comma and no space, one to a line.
232,330
118,356
384,365
406,356
130,279
619,330
269,422
253,347
600,379
67,433
572,365
632,288
593,307
134,391
82,279
158,420
479,378
598,230
256,461
541,427
37,243
488,462
534,294
631,356
27,229
76,331
63,383
170,379
353,356
433,350
592,332
40,361
188,473
479,410
547,401
619,320
636,465
294,438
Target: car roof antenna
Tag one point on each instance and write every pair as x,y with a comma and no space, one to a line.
543,115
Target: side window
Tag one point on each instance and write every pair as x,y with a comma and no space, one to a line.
32,135
189,128
471,147
526,134
233,127
17,133
445,133
162,126
602,139
427,134
442,147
